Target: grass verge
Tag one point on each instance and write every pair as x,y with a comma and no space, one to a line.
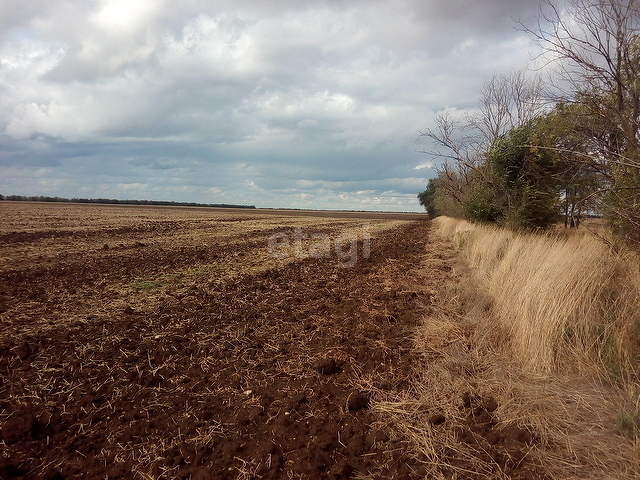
530,359
559,299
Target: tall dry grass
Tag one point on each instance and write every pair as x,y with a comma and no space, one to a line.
549,327
560,298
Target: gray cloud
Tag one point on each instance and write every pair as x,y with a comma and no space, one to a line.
314,104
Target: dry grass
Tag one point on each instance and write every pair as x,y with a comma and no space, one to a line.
547,326
559,299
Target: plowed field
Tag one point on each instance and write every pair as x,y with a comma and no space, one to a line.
146,342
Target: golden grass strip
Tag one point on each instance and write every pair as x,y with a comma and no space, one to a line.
558,297
542,326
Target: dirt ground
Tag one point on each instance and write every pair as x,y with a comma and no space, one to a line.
162,343
168,343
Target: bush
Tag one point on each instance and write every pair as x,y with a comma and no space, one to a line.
480,205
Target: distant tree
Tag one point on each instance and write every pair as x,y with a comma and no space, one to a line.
428,197
109,201
462,144
482,205
569,133
525,179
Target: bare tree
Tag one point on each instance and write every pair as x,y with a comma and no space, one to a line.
458,149
596,44
461,145
507,102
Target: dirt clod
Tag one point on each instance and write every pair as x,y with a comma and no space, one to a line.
437,419
468,399
358,401
490,404
24,350
329,366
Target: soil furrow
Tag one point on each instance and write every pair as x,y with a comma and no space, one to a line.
265,375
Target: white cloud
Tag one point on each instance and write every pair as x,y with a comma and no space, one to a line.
308,102
423,166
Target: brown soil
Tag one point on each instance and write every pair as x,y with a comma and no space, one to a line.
112,365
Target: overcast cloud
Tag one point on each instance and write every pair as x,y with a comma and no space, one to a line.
304,104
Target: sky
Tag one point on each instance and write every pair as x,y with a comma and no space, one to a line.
273,103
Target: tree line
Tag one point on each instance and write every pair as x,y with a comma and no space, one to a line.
41,198
538,152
